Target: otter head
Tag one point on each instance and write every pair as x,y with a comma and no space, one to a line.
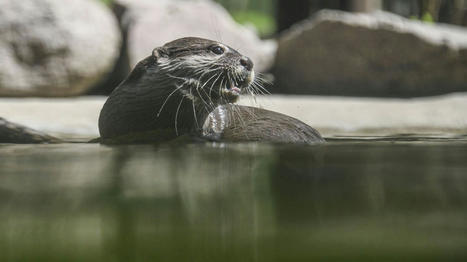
204,70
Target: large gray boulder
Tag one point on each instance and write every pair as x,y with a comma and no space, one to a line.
55,47
153,23
377,54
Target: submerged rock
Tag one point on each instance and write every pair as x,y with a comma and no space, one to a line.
55,47
154,23
377,54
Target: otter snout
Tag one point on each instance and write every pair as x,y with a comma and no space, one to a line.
246,63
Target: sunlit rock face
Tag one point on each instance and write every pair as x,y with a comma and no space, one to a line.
377,54
55,47
154,23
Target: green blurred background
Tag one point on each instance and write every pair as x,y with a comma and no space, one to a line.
269,16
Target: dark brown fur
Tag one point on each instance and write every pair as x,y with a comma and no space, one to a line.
147,108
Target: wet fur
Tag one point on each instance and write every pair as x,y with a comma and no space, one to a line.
244,123
177,90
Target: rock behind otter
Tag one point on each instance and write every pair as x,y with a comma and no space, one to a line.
55,47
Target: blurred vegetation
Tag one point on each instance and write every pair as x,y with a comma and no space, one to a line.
263,23
263,14
268,15
427,17
440,11
107,2
257,13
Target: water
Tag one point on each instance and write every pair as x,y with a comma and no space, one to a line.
355,199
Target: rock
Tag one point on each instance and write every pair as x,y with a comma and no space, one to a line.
377,54
55,47
18,134
70,118
154,23
76,118
374,116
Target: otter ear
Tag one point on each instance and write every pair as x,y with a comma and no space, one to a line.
159,52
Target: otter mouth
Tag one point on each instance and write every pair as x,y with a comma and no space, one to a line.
235,87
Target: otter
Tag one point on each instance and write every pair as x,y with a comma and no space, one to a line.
188,87
186,90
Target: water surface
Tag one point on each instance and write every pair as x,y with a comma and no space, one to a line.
353,199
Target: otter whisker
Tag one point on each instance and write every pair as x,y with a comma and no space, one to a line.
201,74
165,101
210,100
194,109
177,77
215,81
207,81
222,86
253,97
263,79
259,87
254,90
240,118
251,114
259,84
204,102
176,115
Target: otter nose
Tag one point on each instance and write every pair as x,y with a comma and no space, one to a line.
247,63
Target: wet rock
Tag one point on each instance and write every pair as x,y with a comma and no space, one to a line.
55,47
153,23
18,134
76,118
377,54
69,118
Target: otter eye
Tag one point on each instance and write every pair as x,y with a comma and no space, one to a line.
218,50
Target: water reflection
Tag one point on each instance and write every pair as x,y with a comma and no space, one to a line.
243,202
